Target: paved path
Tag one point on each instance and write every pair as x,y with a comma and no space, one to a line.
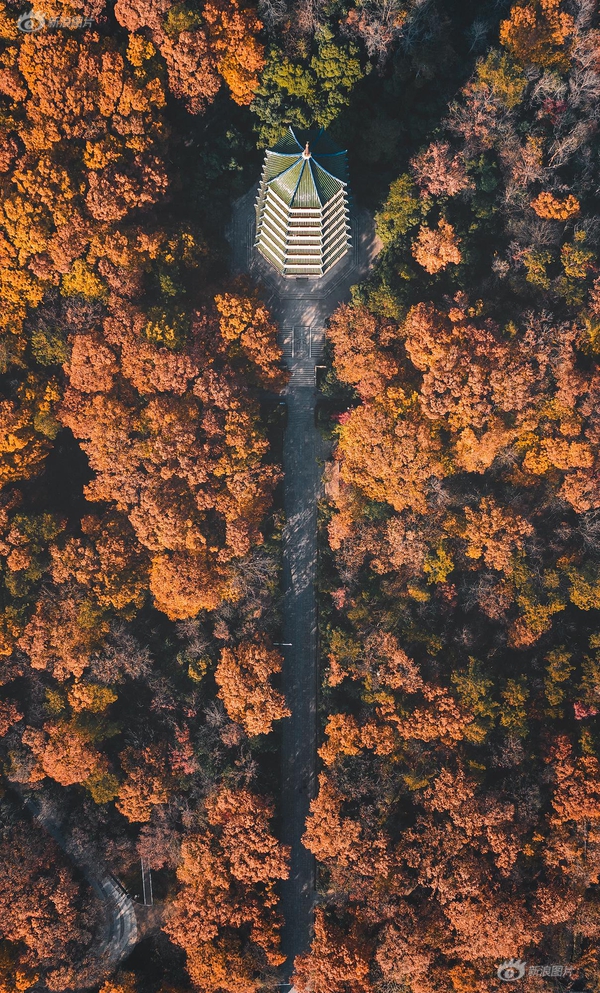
301,308
302,450
119,925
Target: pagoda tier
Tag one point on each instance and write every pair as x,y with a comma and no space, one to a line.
302,215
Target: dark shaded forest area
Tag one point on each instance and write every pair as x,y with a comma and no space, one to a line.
457,821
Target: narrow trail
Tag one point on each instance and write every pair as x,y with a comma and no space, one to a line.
119,925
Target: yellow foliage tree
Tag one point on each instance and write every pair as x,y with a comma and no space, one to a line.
245,320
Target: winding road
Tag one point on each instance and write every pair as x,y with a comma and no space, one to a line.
119,931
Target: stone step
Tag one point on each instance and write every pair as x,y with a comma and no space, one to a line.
285,340
317,343
301,343
303,376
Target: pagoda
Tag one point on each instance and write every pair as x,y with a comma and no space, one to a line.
302,215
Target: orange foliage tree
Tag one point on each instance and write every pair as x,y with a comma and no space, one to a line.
537,31
199,50
224,916
436,248
548,206
243,676
46,916
146,784
361,357
179,448
339,960
438,171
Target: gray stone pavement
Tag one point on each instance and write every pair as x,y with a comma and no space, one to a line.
302,447
310,301
301,307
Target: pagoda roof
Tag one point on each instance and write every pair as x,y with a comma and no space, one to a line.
305,169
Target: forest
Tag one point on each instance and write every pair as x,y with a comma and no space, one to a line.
457,818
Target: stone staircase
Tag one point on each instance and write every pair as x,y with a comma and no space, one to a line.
285,340
301,344
302,348
303,375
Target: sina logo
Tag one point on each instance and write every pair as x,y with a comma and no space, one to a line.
31,23
511,969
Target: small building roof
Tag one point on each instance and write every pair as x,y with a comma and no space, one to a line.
305,169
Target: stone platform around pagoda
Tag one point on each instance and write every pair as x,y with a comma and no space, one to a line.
280,292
